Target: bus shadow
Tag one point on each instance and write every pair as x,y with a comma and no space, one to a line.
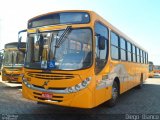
13,87
5,86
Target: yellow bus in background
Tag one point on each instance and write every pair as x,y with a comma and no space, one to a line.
76,58
151,70
13,63
156,69
1,59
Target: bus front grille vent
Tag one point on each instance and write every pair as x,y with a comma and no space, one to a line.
50,88
51,76
12,75
54,98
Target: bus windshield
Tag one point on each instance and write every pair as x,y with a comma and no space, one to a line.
13,58
47,51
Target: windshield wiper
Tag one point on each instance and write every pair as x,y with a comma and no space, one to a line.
63,36
58,42
40,43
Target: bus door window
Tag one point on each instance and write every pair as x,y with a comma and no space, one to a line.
101,54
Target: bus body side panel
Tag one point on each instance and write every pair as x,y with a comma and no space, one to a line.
129,74
102,95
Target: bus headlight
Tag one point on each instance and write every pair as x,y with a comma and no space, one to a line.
79,86
29,85
25,81
70,90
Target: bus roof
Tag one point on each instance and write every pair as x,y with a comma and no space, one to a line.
113,28
59,12
14,45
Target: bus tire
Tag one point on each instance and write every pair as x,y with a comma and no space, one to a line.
141,82
115,95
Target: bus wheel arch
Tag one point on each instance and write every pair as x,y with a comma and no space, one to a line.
141,81
115,92
118,82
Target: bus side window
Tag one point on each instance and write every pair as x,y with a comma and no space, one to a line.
123,49
129,51
114,46
138,56
134,53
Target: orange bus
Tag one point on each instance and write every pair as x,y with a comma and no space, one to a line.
76,58
1,59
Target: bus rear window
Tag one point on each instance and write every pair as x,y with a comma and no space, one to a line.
60,18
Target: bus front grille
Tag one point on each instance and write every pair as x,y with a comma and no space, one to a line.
12,75
50,88
54,98
51,76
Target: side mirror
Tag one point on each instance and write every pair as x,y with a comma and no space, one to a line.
19,43
101,43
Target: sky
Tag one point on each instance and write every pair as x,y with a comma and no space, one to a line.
138,19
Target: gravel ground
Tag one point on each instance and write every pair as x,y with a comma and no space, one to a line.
135,104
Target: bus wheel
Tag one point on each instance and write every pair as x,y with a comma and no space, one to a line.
115,95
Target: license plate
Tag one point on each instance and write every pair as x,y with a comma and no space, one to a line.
47,95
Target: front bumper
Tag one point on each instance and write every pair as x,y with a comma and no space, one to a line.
10,77
80,99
